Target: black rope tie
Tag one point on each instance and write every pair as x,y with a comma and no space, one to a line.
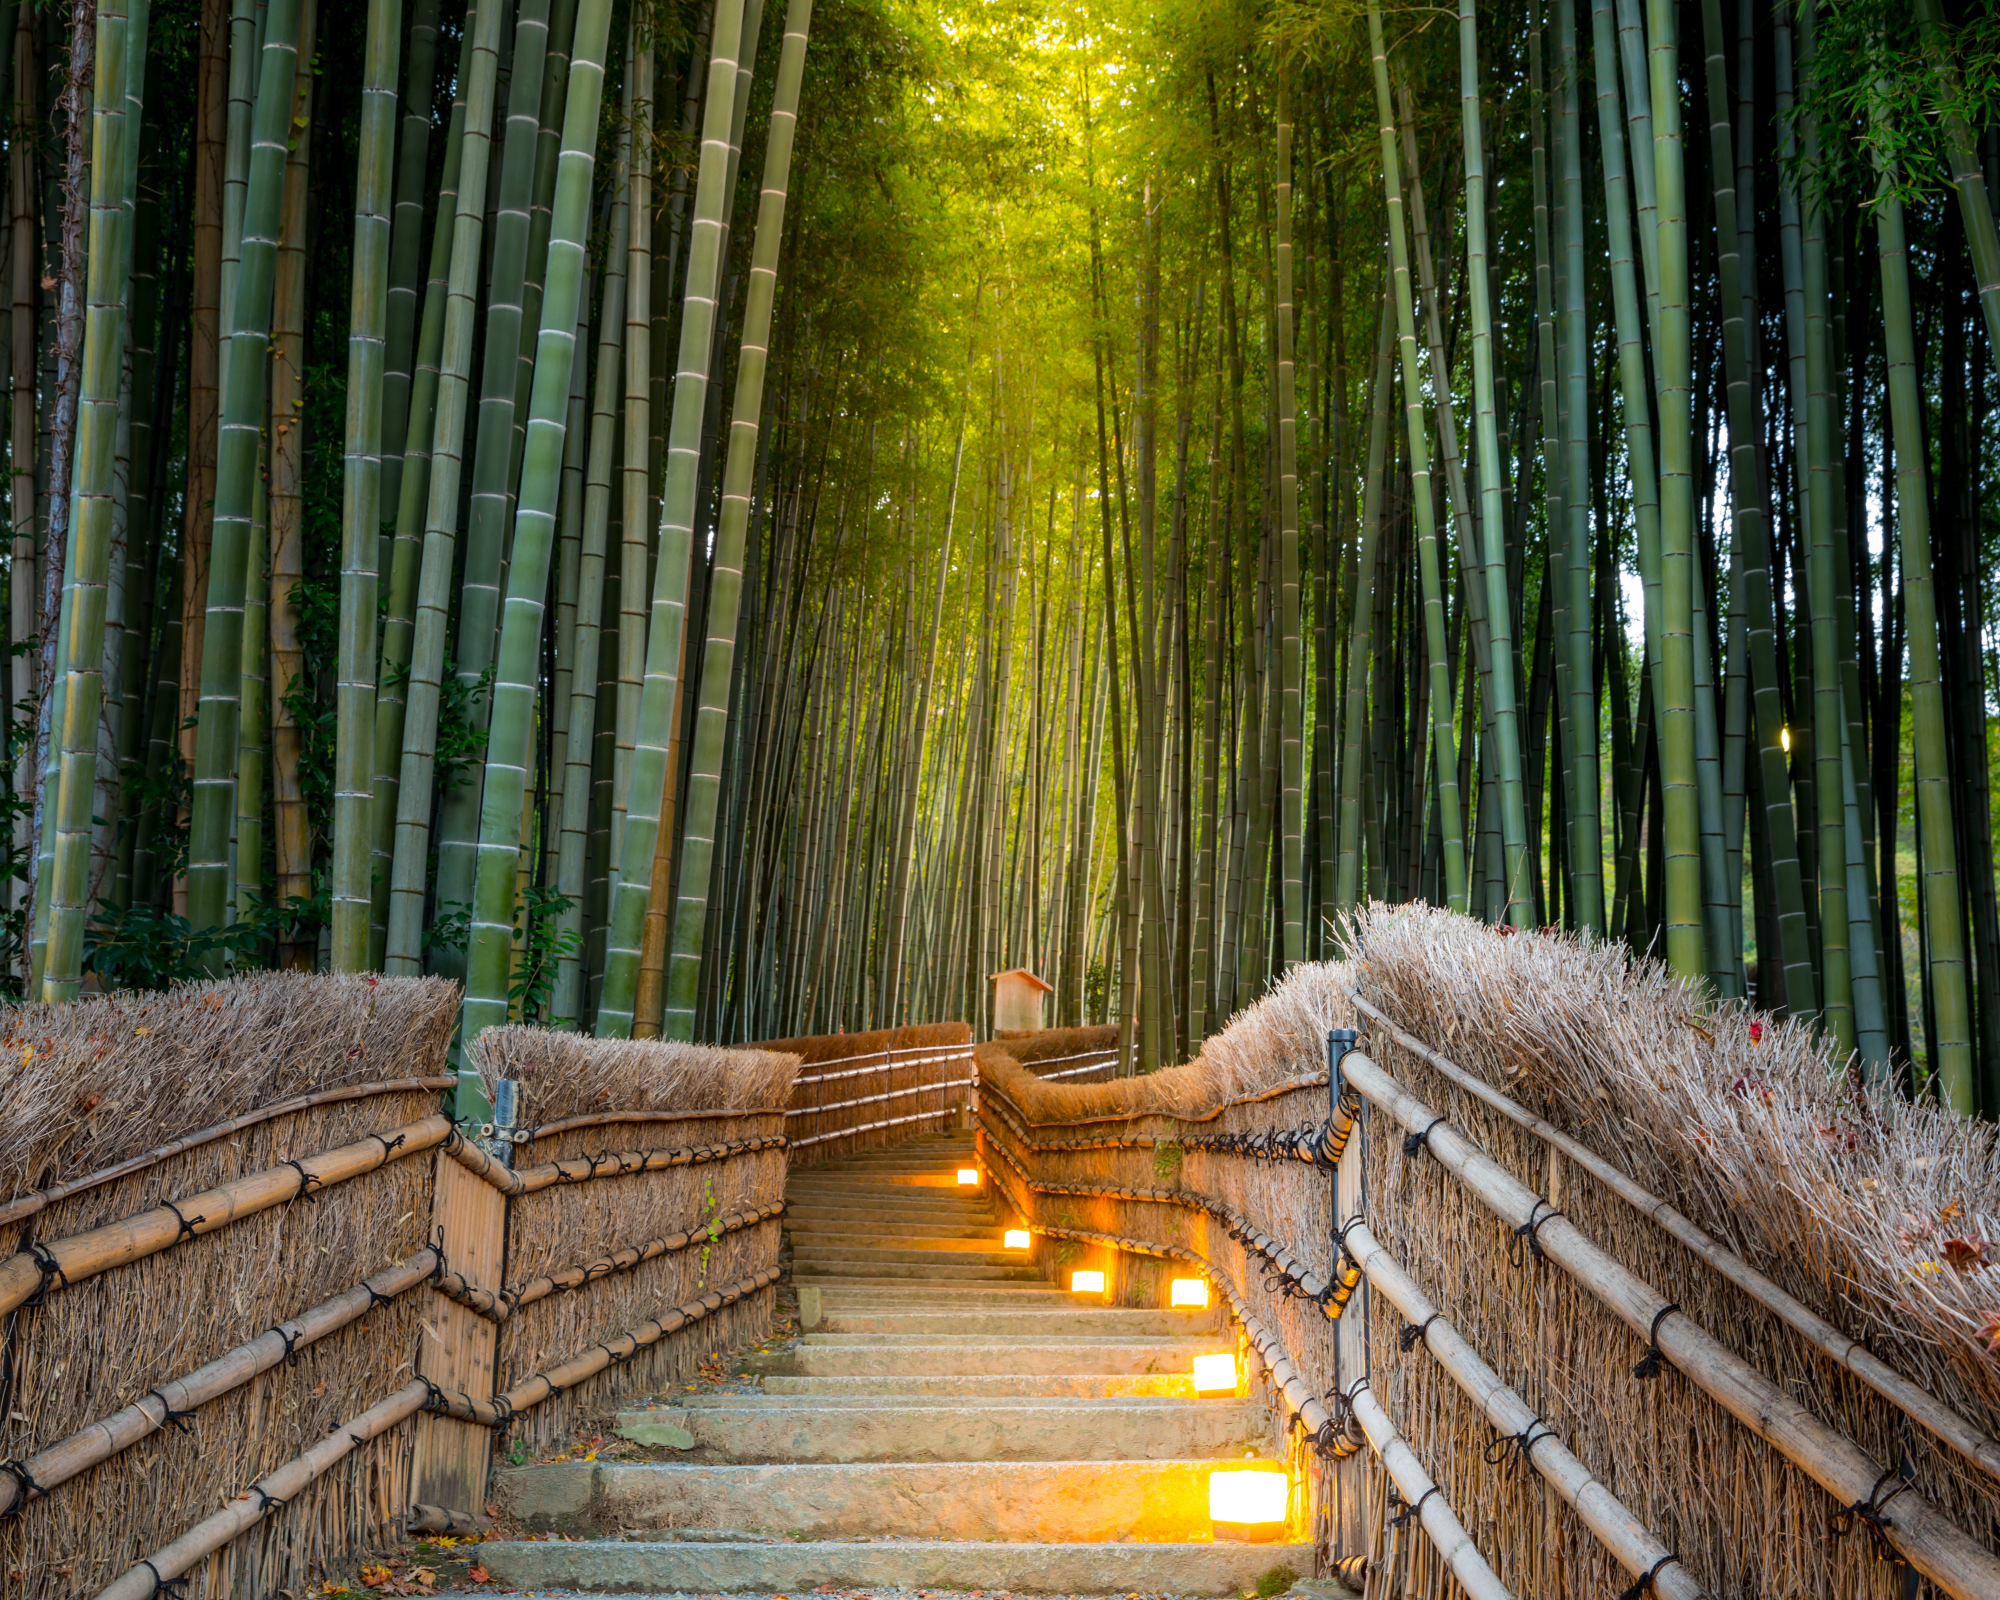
376,1297
1414,1144
389,1146
187,1223
18,1471
1524,1441
434,1399
173,1586
266,1501
1415,1507
1644,1583
1529,1231
51,1271
1413,1333
1870,1511
613,1356
310,1183
291,1341
1649,1363
169,1416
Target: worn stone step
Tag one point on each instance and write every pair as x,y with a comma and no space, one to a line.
907,1253
989,1323
676,1567
824,1227
1190,1345
938,1177
1058,1502
902,1295
984,1385
868,1214
873,1395
786,1428
997,1357
929,1266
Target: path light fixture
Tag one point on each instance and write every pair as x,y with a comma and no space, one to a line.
1017,1239
1215,1374
968,1175
1191,1292
1248,1504
1085,1282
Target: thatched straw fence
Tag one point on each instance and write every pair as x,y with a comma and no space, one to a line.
232,1350
1072,1055
861,1091
1651,1291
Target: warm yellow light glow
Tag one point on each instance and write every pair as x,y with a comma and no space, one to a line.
968,1174
1086,1283
1191,1292
1785,739
1248,1496
1017,1238
1215,1374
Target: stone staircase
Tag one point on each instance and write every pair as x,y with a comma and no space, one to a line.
948,1420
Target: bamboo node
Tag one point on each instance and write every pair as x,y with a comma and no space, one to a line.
1649,1363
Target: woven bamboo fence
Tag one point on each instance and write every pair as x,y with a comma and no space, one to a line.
862,1091
266,1308
1612,1292
1072,1055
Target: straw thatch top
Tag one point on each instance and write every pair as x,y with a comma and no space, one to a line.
88,1084
1278,1040
571,1075
841,1046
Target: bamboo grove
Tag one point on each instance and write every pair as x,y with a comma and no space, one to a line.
697,518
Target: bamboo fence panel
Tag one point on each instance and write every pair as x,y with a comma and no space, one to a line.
863,1091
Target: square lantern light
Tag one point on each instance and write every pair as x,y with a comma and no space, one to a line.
1017,1239
1248,1504
968,1175
1086,1282
1191,1292
1215,1374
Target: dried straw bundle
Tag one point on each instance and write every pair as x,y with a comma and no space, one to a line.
88,1084
572,1075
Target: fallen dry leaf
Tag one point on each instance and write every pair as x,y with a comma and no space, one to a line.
1967,1255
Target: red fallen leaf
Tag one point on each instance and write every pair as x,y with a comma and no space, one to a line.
1966,1255
88,1103
1503,928
1990,1331
1756,1033
1953,1210
478,1575
1749,1089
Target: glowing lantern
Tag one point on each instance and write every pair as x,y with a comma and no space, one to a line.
1215,1374
1248,1503
1017,1238
1191,1292
968,1175
1086,1283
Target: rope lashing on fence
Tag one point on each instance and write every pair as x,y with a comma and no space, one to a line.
1630,1542
625,1163
1868,1512
28,1203
180,1398
1415,1143
1938,1549
1647,1580
497,1305
1914,1402
1649,1363
1529,1231
117,1244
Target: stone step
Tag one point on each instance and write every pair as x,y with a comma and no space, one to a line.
873,1395
908,1252
984,1385
1189,1345
1057,1502
899,1295
927,1266
985,1323
677,1567
860,1230
795,1429
931,1178
1000,1357
920,1207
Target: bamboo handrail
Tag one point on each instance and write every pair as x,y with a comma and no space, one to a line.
1637,1549
1931,1543
583,1169
875,1099
1891,1385
953,1054
151,1576
869,1127
105,1438
604,1119
84,1255
497,1305
34,1201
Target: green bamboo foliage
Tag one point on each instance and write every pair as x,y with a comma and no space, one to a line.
1423,502
121,54
666,619
509,743
408,873
726,582
1361,625
361,499
238,439
1291,660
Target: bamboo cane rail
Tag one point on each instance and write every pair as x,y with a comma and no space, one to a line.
1920,1407
1934,1546
34,1201
152,1411
1635,1546
869,1127
626,1163
497,1305
116,1244
875,1099
605,1119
